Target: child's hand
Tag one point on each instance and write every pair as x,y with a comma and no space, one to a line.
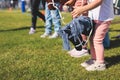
77,12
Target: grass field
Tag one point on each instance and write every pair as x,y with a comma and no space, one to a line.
29,57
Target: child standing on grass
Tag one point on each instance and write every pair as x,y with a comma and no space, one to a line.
52,16
101,11
75,4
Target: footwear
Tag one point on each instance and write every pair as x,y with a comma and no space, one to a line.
96,67
87,63
32,31
55,35
71,51
28,10
77,54
45,35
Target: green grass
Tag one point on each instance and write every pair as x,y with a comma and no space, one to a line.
29,57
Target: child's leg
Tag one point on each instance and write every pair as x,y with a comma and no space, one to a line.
92,49
84,37
97,49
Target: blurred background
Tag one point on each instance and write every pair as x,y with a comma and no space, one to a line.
16,4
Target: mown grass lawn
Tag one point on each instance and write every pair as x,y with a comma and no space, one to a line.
29,57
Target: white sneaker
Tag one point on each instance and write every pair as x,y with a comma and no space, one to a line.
45,35
28,10
71,51
32,31
77,54
87,63
96,67
55,35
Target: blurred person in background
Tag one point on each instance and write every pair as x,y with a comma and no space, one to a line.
28,5
13,3
35,12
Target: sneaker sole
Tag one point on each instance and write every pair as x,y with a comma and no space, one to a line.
96,69
44,36
69,52
52,37
84,65
85,54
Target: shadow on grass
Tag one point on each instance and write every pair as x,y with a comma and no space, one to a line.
114,30
113,60
116,22
116,58
22,28
114,43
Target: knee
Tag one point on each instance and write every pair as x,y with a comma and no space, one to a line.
97,41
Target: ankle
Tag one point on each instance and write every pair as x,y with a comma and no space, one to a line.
101,62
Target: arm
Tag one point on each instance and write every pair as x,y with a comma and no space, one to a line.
79,10
70,2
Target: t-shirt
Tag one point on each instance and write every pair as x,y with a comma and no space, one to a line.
104,12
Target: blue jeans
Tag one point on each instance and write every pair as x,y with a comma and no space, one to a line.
52,17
